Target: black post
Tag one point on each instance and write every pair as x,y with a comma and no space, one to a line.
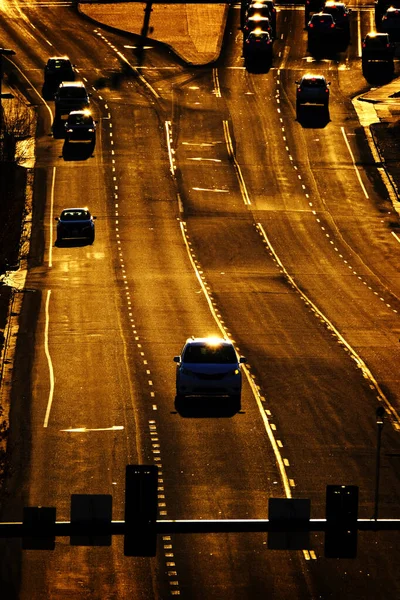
380,412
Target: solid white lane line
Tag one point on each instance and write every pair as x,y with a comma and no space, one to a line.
217,88
396,236
87,429
359,48
354,162
229,145
49,362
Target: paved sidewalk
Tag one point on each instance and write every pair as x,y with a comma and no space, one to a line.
385,129
193,31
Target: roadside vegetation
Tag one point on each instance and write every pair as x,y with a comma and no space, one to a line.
17,123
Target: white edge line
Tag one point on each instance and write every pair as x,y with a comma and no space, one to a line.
278,456
51,371
140,76
396,236
359,361
354,162
33,87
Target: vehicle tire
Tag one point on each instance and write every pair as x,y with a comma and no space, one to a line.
298,108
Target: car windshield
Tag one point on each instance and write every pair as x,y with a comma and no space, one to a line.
393,14
325,18
210,354
75,215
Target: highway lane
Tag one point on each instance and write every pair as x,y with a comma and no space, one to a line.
253,135
168,306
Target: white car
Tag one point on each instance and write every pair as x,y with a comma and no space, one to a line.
312,89
209,367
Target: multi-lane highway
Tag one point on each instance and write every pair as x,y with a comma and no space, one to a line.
217,213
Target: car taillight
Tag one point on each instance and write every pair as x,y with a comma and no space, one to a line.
364,45
327,90
298,89
332,25
311,25
387,45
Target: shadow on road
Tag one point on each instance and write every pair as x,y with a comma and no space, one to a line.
313,117
201,408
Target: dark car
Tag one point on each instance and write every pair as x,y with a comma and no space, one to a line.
258,46
340,14
311,7
80,127
377,47
381,7
58,69
70,95
257,22
209,367
312,89
75,223
321,30
265,8
391,23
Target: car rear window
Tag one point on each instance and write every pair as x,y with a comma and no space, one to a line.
73,92
206,353
376,42
313,83
75,215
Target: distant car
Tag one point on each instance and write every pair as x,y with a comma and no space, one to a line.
58,69
258,46
257,22
75,223
377,47
321,24
340,14
310,7
312,89
381,7
266,8
209,367
80,127
71,95
391,23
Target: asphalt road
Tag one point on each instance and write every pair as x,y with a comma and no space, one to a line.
217,211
